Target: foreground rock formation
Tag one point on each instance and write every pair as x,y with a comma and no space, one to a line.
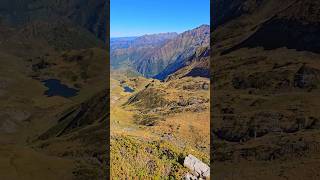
200,169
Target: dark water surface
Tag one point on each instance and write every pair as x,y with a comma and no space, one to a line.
58,89
128,89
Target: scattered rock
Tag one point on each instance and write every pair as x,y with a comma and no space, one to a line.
152,166
306,77
205,86
41,65
167,153
190,177
4,83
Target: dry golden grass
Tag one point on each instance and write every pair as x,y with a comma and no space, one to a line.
179,134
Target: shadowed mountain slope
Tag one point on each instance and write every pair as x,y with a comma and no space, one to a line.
58,136
89,15
266,89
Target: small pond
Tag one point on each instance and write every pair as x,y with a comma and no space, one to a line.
128,89
58,89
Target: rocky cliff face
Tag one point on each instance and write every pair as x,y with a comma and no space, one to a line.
197,65
265,79
173,55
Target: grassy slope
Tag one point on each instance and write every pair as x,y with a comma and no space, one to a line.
154,151
26,113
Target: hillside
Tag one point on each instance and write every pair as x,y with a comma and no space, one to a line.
157,125
196,65
90,16
46,53
265,79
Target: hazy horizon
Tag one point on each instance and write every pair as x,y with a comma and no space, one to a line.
135,36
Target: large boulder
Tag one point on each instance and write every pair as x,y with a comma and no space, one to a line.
200,169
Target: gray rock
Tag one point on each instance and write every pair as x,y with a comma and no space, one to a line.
307,77
190,177
205,86
197,166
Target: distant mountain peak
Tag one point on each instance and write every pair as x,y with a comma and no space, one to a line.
154,38
203,26
160,34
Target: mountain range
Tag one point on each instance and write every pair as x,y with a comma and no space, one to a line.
159,55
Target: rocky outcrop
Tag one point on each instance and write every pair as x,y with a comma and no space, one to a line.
307,77
200,169
167,98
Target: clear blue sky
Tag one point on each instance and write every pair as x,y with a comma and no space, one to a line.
139,17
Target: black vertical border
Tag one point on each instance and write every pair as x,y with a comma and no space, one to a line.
212,3
107,9
212,84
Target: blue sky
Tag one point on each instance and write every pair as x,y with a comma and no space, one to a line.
139,17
